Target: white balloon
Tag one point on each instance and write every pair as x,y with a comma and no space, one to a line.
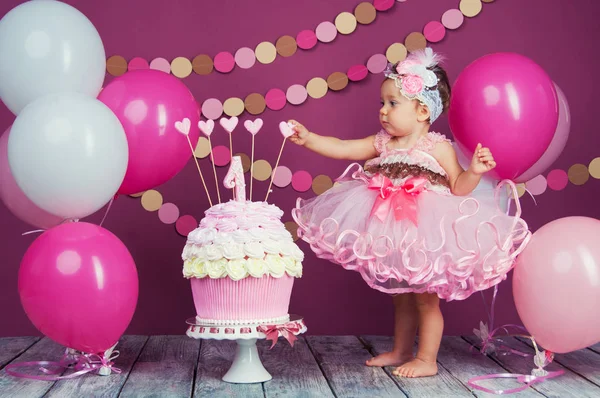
48,47
68,153
487,185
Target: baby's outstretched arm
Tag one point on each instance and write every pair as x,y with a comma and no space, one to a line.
333,147
463,182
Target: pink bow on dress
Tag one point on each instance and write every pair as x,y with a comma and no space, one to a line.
400,199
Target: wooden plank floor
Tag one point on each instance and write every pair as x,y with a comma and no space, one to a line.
317,366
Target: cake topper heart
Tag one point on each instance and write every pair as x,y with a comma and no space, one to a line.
183,126
287,129
206,127
253,127
229,124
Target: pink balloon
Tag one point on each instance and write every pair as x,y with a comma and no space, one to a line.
508,103
556,284
148,103
79,286
558,141
14,198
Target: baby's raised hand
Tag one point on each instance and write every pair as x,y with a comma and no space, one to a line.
301,133
483,160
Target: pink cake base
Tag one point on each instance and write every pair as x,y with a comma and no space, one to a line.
247,299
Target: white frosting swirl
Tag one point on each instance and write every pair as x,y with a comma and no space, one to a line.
213,252
271,246
254,250
257,268
236,269
233,251
276,265
216,269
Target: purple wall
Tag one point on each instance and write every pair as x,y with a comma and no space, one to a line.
557,35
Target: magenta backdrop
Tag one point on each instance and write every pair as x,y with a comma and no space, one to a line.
560,36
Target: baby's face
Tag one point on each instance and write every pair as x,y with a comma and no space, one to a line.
398,114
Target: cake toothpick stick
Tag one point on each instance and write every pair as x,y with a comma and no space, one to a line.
287,130
184,128
207,128
253,127
229,125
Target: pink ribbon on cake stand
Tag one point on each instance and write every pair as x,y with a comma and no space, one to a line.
287,330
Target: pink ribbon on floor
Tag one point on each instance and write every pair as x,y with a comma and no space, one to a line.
82,363
527,379
400,199
287,330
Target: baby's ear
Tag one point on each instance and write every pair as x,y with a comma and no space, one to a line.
423,113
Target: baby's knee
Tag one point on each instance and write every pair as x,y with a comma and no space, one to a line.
427,301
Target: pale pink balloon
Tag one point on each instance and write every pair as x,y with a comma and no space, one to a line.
556,284
561,135
79,286
14,198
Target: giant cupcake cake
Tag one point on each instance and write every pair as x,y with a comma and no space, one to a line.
242,263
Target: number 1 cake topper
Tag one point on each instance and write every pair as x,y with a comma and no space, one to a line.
235,179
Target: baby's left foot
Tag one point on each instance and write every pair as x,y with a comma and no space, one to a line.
416,368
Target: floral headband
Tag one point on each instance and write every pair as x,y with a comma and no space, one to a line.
416,80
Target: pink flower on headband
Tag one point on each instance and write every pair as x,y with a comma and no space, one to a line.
412,85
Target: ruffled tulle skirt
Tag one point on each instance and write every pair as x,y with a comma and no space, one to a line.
458,245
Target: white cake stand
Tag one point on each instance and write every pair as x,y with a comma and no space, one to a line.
247,366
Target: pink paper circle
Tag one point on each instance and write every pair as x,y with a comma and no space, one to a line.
168,213
275,99
537,185
434,31
306,39
245,58
221,155
357,72
383,5
185,225
224,62
453,18
137,63
377,63
212,108
557,179
283,177
296,94
326,32
161,64
302,181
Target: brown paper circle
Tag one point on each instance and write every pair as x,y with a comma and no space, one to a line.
595,168
152,200
345,23
292,228
415,41
286,46
181,67
578,174
488,1
233,106
317,87
365,13
137,195
246,162
262,170
470,8
116,65
265,52
396,52
337,81
203,64
255,104
202,148
321,183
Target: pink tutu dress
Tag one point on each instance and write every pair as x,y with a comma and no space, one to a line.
398,224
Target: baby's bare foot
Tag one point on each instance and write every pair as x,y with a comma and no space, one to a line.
389,359
416,368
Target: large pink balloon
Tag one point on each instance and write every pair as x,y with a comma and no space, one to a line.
14,198
558,141
79,286
556,284
508,103
148,103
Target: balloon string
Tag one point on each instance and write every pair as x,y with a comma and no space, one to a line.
107,210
